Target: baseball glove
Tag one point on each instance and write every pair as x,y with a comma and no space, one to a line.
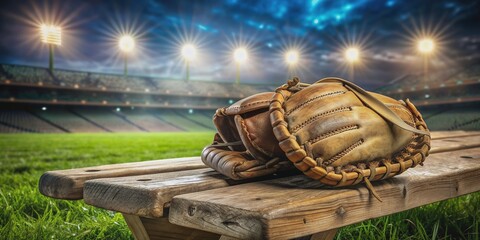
244,146
332,131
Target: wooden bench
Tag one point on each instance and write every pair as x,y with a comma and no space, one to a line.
183,199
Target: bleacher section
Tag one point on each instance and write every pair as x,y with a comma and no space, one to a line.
173,118
74,101
107,120
26,122
26,74
69,121
7,129
149,122
199,119
14,74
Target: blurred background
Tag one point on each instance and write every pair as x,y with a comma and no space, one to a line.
150,66
85,83
155,66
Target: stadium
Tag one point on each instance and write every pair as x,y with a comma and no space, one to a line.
37,100
85,84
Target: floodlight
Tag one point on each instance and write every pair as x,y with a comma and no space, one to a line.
126,43
240,55
352,54
189,52
426,45
291,57
51,34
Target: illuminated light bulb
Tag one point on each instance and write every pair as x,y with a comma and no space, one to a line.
352,54
189,52
240,55
126,43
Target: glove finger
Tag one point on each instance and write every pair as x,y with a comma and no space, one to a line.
311,96
336,123
351,147
360,130
235,165
317,107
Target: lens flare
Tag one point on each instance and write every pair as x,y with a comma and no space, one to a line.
352,54
426,46
240,55
126,43
51,34
292,57
189,52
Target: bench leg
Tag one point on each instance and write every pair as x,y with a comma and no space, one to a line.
160,228
327,235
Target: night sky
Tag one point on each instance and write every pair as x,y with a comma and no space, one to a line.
385,31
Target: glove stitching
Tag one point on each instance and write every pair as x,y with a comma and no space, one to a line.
248,105
330,94
323,114
402,108
344,152
333,133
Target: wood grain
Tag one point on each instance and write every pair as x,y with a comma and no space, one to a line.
452,134
455,143
161,229
68,184
296,206
148,195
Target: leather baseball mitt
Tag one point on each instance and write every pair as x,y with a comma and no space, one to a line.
332,131
336,132
245,146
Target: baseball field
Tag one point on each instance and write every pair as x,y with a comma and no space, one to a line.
26,214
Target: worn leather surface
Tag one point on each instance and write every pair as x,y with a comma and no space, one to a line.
334,125
337,128
247,121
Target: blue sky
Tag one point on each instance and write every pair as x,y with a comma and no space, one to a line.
385,31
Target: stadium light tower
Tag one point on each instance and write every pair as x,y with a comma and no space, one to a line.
425,47
352,55
126,45
189,52
291,58
240,55
51,35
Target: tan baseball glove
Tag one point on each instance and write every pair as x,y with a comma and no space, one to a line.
332,131
245,146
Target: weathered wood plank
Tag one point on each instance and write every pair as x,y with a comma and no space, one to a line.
68,184
455,143
296,206
148,195
161,229
452,134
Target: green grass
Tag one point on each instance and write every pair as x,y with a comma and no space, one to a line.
26,214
